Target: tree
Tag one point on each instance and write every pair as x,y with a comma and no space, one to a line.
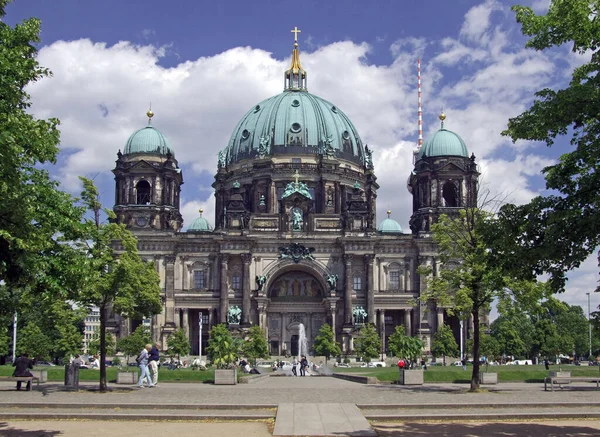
4,341
222,348
325,343
118,280
469,279
34,342
36,218
404,346
178,343
488,346
513,330
255,345
556,232
367,345
110,345
444,343
133,344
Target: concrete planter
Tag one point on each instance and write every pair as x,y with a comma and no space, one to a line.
41,374
411,377
225,376
560,374
127,378
488,378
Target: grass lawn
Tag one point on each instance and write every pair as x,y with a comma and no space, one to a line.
57,373
456,374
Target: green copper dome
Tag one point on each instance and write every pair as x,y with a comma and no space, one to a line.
294,122
148,140
443,143
389,226
200,224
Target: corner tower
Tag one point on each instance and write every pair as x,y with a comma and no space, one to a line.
148,182
444,179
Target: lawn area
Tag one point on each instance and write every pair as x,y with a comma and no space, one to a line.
456,374
57,373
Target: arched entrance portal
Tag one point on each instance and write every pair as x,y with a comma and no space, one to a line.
295,297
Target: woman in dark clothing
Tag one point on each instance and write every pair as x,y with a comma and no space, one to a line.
22,366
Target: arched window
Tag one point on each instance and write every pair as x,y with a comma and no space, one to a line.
143,193
450,195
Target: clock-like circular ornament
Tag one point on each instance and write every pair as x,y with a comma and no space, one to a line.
141,221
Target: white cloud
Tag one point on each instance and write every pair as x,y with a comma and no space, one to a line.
477,21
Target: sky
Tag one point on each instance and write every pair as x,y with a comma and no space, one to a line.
202,65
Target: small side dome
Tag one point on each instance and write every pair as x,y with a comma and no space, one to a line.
443,143
389,226
200,225
148,140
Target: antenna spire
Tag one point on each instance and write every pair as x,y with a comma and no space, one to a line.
420,110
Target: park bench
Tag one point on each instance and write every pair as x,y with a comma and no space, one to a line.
562,380
26,379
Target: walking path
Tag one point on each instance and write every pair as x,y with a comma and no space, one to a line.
301,406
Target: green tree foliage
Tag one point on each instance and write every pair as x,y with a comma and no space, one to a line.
488,347
4,340
325,343
222,349
133,344
556,232
94,345
367,345
255,346
513,331
118,280
34,342
469,279
178,343
444,343
36,218
403,346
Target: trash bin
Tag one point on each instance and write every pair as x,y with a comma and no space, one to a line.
72,376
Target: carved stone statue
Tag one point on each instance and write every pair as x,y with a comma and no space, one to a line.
368,158
264,146
221,159
260,281
360,315
234,315
297,219
332,281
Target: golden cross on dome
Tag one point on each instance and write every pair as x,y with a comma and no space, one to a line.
295,31
296,176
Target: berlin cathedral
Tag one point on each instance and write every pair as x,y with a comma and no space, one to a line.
296,239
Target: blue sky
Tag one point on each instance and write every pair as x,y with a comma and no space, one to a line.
204,64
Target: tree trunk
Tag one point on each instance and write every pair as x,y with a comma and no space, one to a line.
475,375
103,387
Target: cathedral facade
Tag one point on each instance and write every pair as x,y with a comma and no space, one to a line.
296,238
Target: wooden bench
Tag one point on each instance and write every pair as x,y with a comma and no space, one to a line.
561,380
27,379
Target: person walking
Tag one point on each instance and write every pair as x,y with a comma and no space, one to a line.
22,366
153,358
303,366
294,365
142,360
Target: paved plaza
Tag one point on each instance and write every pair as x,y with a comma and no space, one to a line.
301,406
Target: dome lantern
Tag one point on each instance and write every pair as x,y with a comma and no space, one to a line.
148,140
295,76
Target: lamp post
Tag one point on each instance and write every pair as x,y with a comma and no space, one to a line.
382,335
589,325
200,335
14,351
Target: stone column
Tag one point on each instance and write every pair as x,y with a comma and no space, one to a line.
407,322
224,296
169,262
246,259
370,291
440,318
348,291
186,322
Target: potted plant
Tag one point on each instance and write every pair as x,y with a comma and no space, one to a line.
403,346
488,347
223,351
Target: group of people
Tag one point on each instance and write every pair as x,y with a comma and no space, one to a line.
303,364
148,363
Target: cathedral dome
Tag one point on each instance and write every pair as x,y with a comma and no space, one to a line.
389,226
148,140
200,224
297,122
443,143
294,122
